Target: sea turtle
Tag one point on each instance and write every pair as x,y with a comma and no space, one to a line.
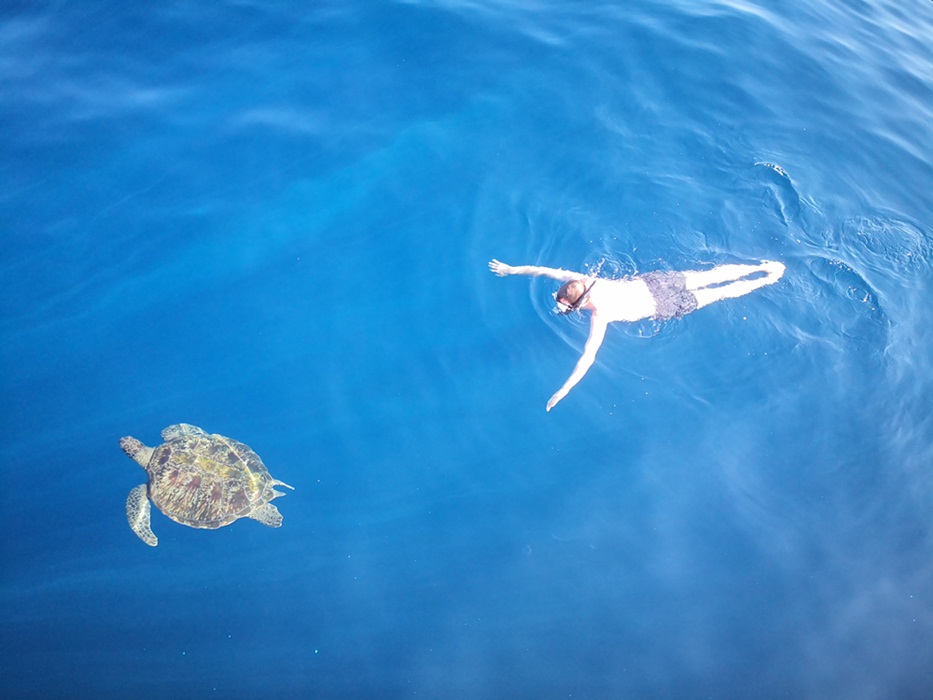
200,480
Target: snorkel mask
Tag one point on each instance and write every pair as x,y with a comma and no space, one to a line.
564,307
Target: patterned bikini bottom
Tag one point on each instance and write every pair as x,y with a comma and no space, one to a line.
670,293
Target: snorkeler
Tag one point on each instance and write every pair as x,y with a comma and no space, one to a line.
658,295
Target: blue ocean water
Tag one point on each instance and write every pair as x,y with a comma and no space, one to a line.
273,220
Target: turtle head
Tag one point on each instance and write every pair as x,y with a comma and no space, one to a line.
138,451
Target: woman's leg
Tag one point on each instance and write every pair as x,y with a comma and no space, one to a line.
720,274
731,281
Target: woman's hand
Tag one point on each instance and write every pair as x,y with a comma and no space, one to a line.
554,399
500,268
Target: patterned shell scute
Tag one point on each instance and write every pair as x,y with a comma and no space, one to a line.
207,481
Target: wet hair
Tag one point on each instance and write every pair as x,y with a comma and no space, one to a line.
571,292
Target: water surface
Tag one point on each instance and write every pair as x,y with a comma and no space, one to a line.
274,222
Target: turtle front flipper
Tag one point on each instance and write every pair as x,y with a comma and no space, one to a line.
180,430
137,513
267,514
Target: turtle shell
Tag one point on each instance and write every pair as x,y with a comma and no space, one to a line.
207,481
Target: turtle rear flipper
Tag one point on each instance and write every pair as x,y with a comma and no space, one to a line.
275,494
267,514
137,513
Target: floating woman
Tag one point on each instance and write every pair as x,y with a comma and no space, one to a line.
658,295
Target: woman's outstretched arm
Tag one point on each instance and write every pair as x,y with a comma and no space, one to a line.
501,269
597,333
